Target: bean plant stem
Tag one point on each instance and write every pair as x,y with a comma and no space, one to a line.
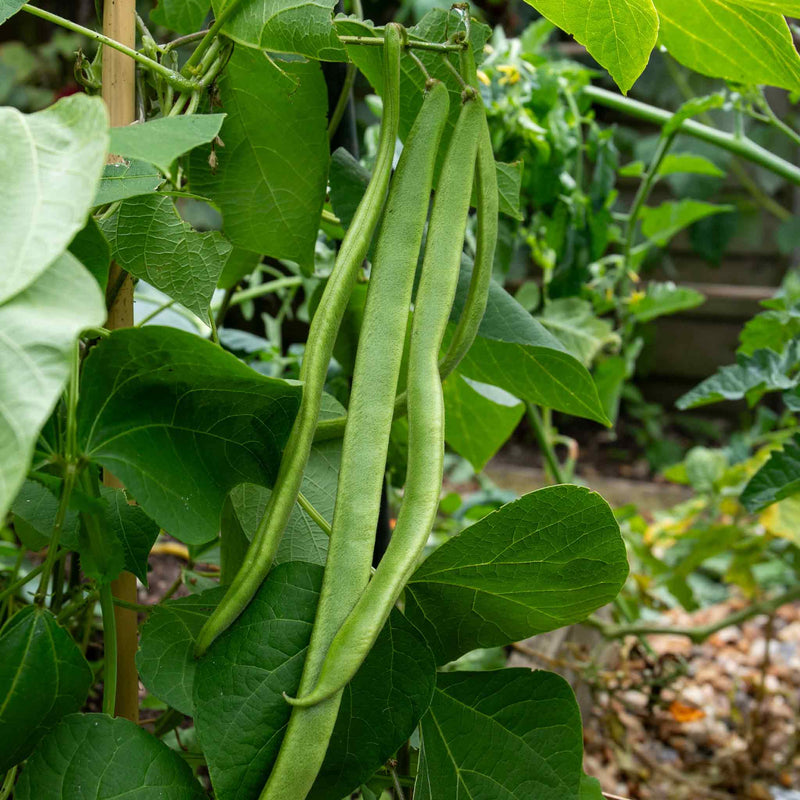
172,78
377,41
20,582
643,192
342,101
210,36
738,145
312,512
8,783
701,633
264,288
139,608
543,438
109,649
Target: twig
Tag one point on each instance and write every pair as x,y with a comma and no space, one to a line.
700,633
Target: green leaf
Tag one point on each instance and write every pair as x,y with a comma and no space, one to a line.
778,479
573,322
609,377
43,676
165,658
38,328
181,16
730,40
302,540
239,265
750,377
590,789
509,182
240,712
478,418
380,709
772,330
348,179
134,530
619,34
304,27
436,26
51,163
181,422
791,8
270,179
544,561
161,141
689,163
92,249
661,223
515,352
93,755
8,8
661,299
511,734
128,179
152,242
34,513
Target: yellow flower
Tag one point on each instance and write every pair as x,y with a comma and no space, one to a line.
636,297
483,77
510,74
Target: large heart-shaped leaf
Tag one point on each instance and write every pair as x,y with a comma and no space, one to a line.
573,322
8,8
731,40
511,734
38,328
544,561
43,676
619,34
270,177
50,165
93,755
240,712
152,242
515,352
181,422
127,179
661,223
162,140
304,27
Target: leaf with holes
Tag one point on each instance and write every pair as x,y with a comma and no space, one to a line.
153,243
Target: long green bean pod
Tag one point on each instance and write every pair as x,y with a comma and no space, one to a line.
478,292
437,287
366,439
322,335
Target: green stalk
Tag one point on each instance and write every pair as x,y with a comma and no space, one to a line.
210,36
700,633
109,649
264,288
546,446
12,588
377,41
312,512
738,145
173,78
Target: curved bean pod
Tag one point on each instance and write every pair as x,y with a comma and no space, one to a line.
314,369
437,287
366,440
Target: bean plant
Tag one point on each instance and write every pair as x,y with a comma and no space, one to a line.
304,662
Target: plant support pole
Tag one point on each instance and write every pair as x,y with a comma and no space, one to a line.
119,94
